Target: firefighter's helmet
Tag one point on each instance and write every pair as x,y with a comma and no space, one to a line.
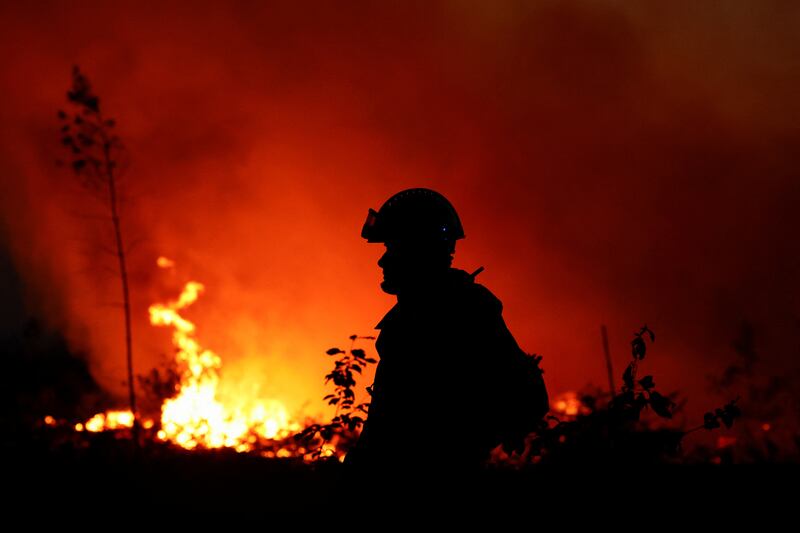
414,215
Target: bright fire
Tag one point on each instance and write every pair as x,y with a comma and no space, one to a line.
198,417
569,404
107,420
164,262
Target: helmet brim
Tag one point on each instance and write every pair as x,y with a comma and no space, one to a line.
370,230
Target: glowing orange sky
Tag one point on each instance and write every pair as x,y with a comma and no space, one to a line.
610,166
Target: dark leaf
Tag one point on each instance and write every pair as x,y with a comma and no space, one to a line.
334,351
727,419
623,401
730,413
649,332
358,352
641,402
627,377
638,348
647,382
661,404
733,410
353,337
710,421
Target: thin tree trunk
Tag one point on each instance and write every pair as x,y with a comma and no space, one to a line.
101,171
609,367
123,274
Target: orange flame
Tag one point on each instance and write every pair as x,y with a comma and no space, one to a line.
198,417
164,262
569,404
108,421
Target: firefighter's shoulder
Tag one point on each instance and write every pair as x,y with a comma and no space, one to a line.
478,297
486,300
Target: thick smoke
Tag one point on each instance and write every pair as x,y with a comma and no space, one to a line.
611,165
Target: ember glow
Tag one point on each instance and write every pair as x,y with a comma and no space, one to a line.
109,420
163,262
569,404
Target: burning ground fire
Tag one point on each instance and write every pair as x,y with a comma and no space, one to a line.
569,405
198,416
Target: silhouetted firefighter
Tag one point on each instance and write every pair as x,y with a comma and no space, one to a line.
452,383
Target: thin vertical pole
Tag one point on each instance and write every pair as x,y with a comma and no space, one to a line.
607,352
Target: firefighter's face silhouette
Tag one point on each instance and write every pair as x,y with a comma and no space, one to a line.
407,266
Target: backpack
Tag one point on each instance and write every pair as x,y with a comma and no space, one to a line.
520,398
527,402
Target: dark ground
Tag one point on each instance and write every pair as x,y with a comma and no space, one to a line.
163,478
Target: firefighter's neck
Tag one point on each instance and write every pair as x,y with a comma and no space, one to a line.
423,289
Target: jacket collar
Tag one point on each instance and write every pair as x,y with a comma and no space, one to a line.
388,317
455,278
